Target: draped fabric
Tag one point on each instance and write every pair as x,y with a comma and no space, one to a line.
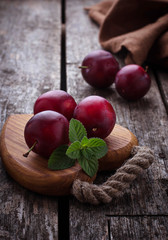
138,27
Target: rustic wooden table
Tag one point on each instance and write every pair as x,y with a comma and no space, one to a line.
42,43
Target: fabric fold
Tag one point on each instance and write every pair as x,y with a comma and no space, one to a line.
140,27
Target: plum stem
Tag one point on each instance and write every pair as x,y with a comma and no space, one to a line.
83,67
146,68
30,149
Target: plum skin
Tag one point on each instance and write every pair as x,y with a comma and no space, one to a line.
101,68
132,82
49,130
97,115
56,100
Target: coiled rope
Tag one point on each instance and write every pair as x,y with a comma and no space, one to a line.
142,158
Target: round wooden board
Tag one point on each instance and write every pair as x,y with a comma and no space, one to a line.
33,173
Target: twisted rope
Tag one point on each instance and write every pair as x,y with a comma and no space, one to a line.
117,183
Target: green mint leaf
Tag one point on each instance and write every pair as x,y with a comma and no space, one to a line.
97,146
76,130
59,160
84,141
73,150
87,153
89,166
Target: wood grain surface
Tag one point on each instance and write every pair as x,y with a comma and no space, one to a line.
32,46
146,118
33,173
119,143
30,38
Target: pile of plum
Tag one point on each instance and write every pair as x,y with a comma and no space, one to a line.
100,69
49,127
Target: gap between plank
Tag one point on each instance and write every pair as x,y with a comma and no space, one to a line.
160,87
63,201
109,231
63,218
63,85
137,215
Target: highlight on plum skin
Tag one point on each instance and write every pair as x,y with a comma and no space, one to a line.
97,115
56,100
132,82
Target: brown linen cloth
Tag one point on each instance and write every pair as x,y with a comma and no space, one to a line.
139,26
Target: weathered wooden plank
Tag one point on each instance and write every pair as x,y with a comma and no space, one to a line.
29,53
87,223
162,80
145,227
146,118
29,65
122,227
82,29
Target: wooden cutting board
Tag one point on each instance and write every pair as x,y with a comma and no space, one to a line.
32,172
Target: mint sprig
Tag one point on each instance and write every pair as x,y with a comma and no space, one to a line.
97,146
76,130
90,166
85,150
59,160
73,150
